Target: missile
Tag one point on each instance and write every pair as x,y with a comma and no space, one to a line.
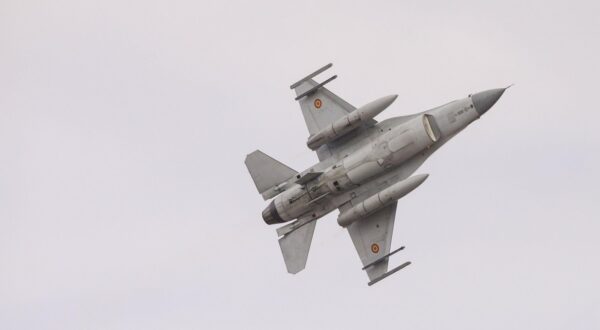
381,199
349,122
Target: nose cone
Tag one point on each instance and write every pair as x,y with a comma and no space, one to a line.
483,101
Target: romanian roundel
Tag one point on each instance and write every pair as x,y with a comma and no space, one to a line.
374,248
318,103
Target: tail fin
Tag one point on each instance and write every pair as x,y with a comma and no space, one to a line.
267,173
295,246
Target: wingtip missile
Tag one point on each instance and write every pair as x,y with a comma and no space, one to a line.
389,273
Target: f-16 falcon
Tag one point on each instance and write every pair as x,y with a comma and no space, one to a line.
364,168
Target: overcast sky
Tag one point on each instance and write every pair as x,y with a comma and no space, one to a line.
125,202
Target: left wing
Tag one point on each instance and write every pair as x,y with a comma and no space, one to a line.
372,238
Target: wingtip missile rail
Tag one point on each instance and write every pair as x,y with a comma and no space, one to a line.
389,273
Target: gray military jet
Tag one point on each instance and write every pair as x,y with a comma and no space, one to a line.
364,167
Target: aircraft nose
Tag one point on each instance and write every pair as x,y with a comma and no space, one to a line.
483,101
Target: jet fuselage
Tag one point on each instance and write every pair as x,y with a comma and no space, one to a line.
390,145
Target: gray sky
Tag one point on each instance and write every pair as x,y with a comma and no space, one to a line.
125,202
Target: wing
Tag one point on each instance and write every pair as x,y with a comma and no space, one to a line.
320,107
372,238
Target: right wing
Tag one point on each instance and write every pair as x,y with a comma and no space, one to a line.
320,107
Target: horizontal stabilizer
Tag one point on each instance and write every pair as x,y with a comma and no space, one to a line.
295,246
268,173
290,227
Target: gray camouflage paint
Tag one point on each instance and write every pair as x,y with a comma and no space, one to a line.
392,148
364,169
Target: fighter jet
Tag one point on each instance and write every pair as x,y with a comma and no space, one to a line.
364,168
